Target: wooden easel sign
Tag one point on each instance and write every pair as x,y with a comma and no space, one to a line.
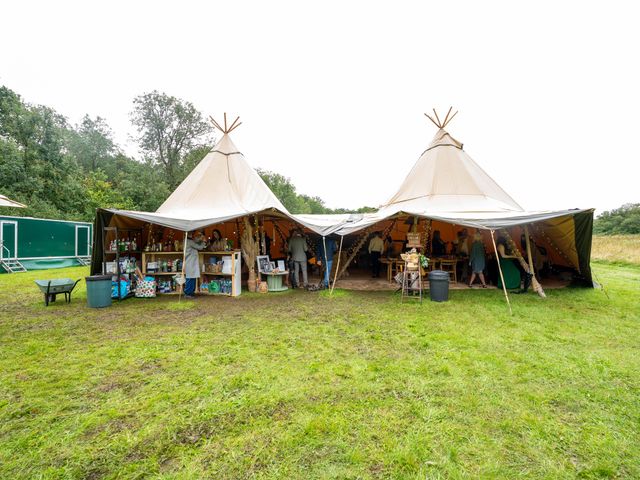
413,240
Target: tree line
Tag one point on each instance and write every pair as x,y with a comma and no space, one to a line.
66,171
619,221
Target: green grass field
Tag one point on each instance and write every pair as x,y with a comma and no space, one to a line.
301,385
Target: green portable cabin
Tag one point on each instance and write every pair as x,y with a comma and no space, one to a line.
40,243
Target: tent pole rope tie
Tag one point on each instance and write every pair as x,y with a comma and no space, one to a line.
504,287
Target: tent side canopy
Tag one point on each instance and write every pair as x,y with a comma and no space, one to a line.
106,217
569,231
325,224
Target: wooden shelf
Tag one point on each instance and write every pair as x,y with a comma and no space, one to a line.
234,277
113,252
180,253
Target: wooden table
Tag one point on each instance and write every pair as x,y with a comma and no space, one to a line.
392,263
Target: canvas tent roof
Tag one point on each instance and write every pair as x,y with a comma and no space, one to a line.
7,202
445,179
223,186
445,184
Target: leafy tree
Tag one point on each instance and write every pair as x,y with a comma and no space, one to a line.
92,142
620,221
168,129
284,190
140,182
101,194
63,172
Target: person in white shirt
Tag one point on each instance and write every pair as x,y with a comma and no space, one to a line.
376,247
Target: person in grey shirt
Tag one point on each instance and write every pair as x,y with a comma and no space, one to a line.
298,250
192,262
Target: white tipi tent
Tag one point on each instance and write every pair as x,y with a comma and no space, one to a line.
222,185
445,181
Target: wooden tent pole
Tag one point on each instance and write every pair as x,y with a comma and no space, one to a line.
335,277
233,125
437,118
504,287
451,118
534,282
432,120
444,122
326,264
529,257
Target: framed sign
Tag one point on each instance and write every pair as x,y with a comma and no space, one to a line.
264,265
413,240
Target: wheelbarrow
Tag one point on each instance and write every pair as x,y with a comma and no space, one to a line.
57,286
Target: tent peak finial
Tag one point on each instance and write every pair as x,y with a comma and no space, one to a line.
445,122
227,128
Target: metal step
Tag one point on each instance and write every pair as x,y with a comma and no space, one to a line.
86,261
12,266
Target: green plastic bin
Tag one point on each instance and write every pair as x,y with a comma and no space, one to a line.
439,285
98,291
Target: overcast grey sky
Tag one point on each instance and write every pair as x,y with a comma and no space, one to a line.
332,93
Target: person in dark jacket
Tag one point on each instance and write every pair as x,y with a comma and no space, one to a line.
438,247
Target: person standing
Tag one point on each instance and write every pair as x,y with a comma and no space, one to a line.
192,262
218,244
477,260
388,246
298,249
376,247
438,247
326,250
